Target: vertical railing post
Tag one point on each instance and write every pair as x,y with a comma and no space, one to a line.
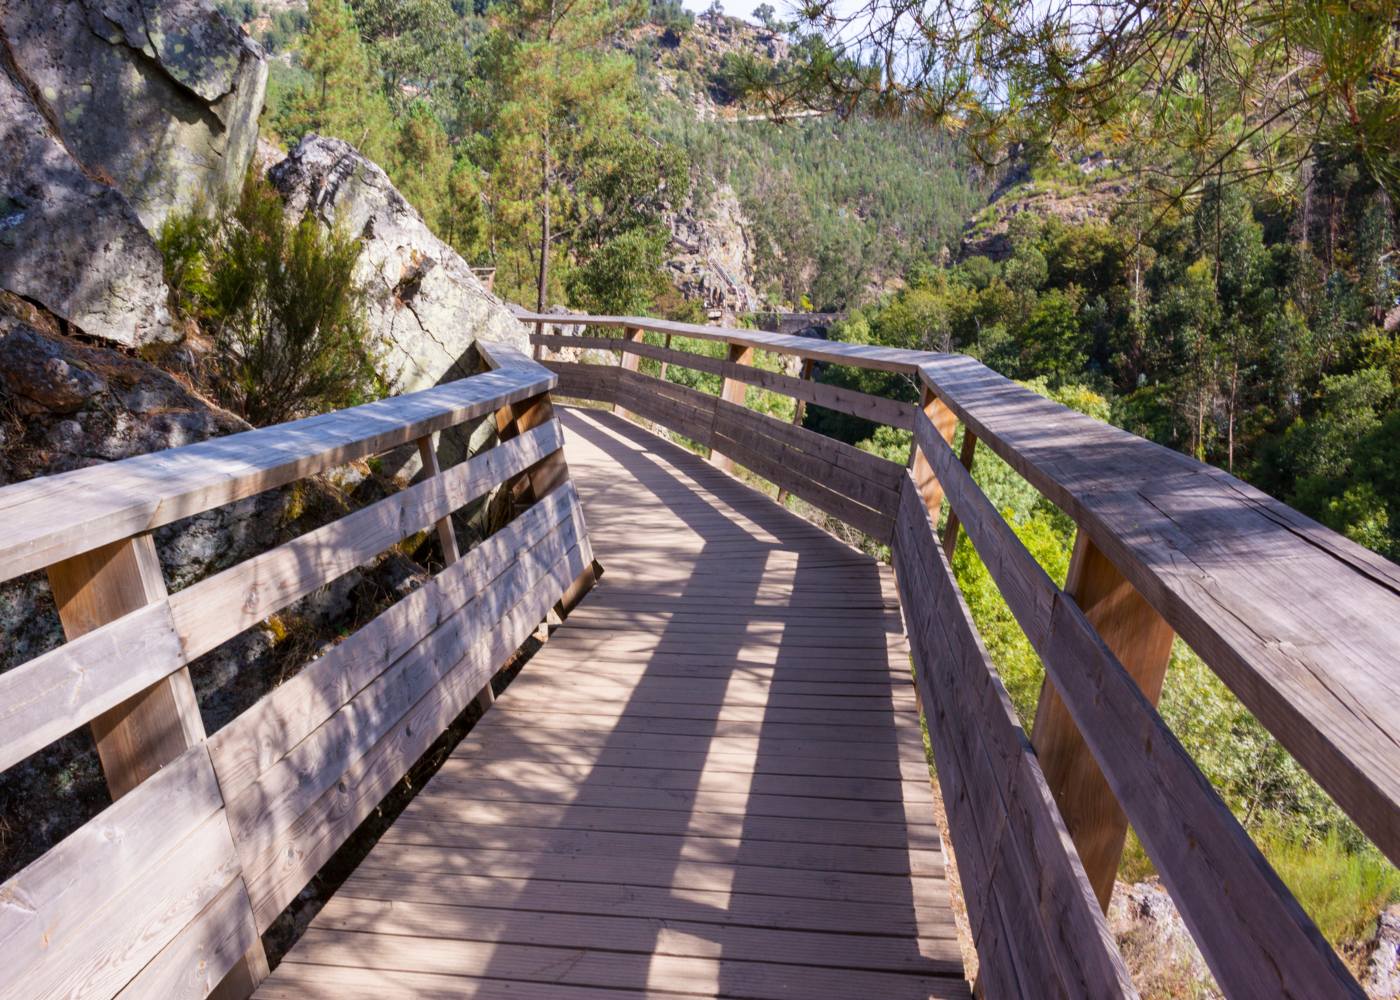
447,538
799,410
945,421
628,362
950,531
732,391
1142,641
150,729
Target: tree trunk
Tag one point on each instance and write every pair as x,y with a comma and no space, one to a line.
543,287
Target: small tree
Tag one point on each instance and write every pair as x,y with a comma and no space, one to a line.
281,304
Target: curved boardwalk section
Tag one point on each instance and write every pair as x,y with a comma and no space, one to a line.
710,782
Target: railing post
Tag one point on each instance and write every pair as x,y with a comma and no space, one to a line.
1142,641
150,729
447,538
950,531
799,409
945,421
628,362
732,392
542,477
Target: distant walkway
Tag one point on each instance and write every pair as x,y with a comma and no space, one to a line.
709,782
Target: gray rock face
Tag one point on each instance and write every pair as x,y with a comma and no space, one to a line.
69,242
1383,968
158,97
425,303
113,115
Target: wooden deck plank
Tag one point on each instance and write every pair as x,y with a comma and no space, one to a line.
710,780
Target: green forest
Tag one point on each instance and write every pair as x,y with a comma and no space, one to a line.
1236,298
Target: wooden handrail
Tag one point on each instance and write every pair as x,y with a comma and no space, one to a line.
1302,624
166,892
53,518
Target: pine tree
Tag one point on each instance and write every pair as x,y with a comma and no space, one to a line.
343,97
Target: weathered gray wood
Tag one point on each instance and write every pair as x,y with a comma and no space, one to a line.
67,687
277,722
261,813
1255,936
221,606
447,538
889,359
1300,622
275,876
54,517
858,404
193,965
86,917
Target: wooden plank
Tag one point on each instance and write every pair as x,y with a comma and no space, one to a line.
812,949
1251,931
636,970
219,607
625,899
889,359
193,965
294,980
627,360
279,873
967,456
154,726
1142,642
447,538
945,422
87,916
1213,556
732,391
1028,867
260,813
67,687
52,518
281,719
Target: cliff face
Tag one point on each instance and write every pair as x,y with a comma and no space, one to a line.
113,116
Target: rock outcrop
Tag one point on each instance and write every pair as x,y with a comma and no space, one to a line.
425,305
711,257
1382,978
112,116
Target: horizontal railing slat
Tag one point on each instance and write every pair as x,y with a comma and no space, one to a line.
1301,623
890,359
52,518
1026,846
1254,935
215,609
281,719
893,412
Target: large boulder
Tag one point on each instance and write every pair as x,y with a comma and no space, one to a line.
159,97
425,305
113,115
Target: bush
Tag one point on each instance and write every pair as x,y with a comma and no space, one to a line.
281,304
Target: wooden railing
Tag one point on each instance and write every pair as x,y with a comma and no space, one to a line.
1302,625
165,893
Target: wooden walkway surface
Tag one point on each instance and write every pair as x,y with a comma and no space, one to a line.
710,782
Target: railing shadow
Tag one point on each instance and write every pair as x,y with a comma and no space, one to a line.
769,648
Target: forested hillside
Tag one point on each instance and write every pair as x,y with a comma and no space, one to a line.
452,99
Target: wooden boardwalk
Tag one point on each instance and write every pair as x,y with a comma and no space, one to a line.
710,782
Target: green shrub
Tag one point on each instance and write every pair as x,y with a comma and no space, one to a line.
281,304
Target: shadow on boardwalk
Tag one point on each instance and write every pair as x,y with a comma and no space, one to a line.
710,781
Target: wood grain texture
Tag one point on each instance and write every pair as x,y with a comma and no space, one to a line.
1009,836
1253,934
639,812
889,359
732,391
1301,623
53,518
87,917
1142,642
